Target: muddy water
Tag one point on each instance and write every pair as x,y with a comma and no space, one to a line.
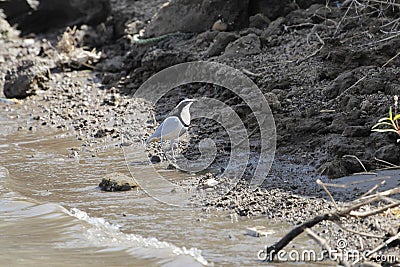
53,214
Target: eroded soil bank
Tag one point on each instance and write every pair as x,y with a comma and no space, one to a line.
328,71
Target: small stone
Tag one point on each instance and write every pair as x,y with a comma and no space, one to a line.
274,28
211,182
117,182
155,159
26,79
220,43
29,42
340,84
171,167
244,46
126,143
273,101
281,94
352,103
259,21
372,86
366,105
258,231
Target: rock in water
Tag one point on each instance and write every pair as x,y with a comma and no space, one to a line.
117,182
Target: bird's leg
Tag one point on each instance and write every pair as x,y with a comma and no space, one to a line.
163,150
171,147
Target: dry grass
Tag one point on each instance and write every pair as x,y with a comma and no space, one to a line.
359,11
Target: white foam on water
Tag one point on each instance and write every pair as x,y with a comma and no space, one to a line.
103,234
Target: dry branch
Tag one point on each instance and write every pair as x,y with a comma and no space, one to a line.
320,183
335,216
373,212
384,244
326,246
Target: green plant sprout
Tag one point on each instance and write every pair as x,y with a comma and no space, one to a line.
391,122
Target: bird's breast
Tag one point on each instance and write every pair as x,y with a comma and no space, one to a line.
172,128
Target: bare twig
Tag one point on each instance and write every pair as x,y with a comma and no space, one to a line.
321,241
320,39
391,59
386,162
374,188
390,22
373,212
364,173
336,185
354,36
386,3
386,193
325,18
315,52
252,73
345,14
327,111
371,264
380,178
320,183
355,84
389,199
301,25
387,242
359,161
273,250
357,232
383,40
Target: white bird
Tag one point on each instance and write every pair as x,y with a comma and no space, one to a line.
173,126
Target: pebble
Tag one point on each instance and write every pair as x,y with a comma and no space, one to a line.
211,182
273,101
366,105
155,159
29,42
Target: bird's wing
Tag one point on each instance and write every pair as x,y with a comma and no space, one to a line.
170,128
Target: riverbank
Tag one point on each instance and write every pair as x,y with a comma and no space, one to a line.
328,80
